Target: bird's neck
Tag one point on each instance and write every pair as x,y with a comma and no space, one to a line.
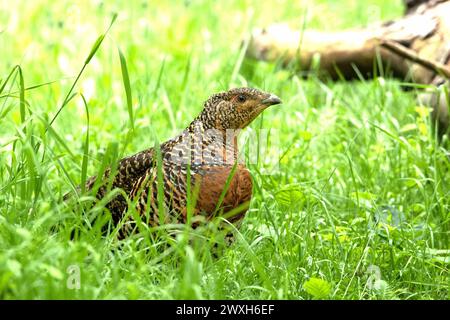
205,145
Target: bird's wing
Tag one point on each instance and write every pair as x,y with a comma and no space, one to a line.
129,170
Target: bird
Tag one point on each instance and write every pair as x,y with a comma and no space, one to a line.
204,158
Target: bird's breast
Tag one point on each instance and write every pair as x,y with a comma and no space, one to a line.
224,188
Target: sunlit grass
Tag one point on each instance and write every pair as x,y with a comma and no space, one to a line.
361,185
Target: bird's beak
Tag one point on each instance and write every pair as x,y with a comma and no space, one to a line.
271,100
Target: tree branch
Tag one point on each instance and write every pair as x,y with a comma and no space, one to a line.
409,54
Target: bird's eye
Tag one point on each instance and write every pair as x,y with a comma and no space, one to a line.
241,98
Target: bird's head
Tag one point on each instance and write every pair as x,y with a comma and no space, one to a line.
236,108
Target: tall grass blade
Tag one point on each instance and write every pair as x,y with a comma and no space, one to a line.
94,49
85,149
160,185
21,96
126,84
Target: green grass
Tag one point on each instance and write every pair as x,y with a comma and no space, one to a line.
360,200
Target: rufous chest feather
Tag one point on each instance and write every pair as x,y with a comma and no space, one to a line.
213,182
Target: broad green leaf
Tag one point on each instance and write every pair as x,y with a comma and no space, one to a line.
289,196
318,288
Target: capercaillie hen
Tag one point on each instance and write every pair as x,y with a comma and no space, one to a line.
205,153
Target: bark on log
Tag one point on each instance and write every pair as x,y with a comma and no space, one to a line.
423,35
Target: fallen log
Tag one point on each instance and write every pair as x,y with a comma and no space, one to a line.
414,48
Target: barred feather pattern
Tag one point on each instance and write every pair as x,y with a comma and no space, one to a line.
183,156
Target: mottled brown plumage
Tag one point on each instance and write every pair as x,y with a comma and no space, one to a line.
207,149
